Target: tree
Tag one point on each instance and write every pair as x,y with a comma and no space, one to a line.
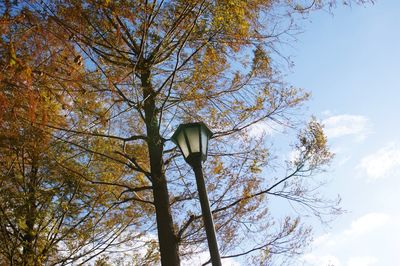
148,66
50,212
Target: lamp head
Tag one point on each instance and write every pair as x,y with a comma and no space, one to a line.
192,140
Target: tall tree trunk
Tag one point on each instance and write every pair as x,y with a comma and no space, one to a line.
30,219
168,243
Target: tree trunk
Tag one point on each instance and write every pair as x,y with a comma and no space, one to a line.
30,217
167,239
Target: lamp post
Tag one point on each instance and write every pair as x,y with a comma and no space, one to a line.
192,140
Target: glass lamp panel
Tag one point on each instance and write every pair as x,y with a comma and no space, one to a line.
204,141
193,136
182,144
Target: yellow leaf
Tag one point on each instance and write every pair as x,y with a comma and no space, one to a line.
218,168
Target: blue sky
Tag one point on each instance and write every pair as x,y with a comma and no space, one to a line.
350,61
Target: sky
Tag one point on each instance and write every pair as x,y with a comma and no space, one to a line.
350,61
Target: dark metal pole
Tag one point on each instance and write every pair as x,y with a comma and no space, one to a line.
207,216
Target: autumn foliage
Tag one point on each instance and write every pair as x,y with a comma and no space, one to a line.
91,91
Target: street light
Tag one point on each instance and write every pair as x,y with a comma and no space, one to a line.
192,140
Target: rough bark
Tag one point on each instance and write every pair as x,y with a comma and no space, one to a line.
168,242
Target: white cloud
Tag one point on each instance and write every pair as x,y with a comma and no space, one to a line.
327,113
230,262
345,125
325,260
382,163
293,155
368,223
342,160
350,247
360,226
362,261
263,128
